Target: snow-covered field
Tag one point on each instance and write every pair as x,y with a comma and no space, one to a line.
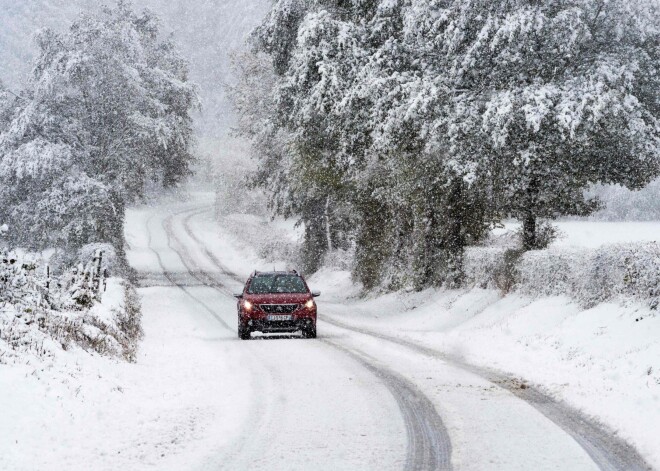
594,234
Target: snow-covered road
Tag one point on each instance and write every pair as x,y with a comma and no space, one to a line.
351,399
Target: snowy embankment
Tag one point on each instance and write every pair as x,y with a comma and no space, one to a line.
110,327
168,409
82,308
60,337
55,372
596,346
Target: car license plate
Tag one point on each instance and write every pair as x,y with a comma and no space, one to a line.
280,317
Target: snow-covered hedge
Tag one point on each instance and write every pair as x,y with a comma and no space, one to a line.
41,315
590,276
482,264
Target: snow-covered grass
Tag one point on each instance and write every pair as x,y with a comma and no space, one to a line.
110,327
169,410
42,315
189,399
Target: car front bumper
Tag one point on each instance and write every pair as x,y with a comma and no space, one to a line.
266,326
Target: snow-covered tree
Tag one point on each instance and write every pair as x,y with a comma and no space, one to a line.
108,108
554,96
430,120
343,95
7,101
287,170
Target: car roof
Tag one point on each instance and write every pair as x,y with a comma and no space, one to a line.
276,272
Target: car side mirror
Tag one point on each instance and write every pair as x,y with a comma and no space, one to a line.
238,295
316,294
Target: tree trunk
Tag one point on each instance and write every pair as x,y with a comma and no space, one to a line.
444,240
373,244
315,244
455,237
529,231
529,217
328,232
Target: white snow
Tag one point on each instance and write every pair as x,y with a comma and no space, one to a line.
169,410
605,360
199,398
595,234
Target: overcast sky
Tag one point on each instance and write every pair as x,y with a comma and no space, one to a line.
207,30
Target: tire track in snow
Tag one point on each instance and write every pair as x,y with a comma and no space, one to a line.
429,444
207,252
177,284
188,261
261,417
609,452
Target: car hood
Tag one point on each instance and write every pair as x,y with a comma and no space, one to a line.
278,298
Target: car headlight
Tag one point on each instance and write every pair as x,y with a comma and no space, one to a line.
247,305
309,304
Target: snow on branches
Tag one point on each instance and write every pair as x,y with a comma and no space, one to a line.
444,116
108,108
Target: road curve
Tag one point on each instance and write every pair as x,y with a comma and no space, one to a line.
608,452
429,445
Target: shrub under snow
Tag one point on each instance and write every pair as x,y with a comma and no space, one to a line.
593,276
40,316
590,276
481,265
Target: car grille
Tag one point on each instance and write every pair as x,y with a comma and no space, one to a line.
278,308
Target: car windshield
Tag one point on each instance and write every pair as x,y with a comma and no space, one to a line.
275,283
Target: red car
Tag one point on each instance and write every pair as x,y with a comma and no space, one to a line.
276,301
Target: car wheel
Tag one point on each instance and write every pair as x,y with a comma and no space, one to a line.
310,332
243,332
